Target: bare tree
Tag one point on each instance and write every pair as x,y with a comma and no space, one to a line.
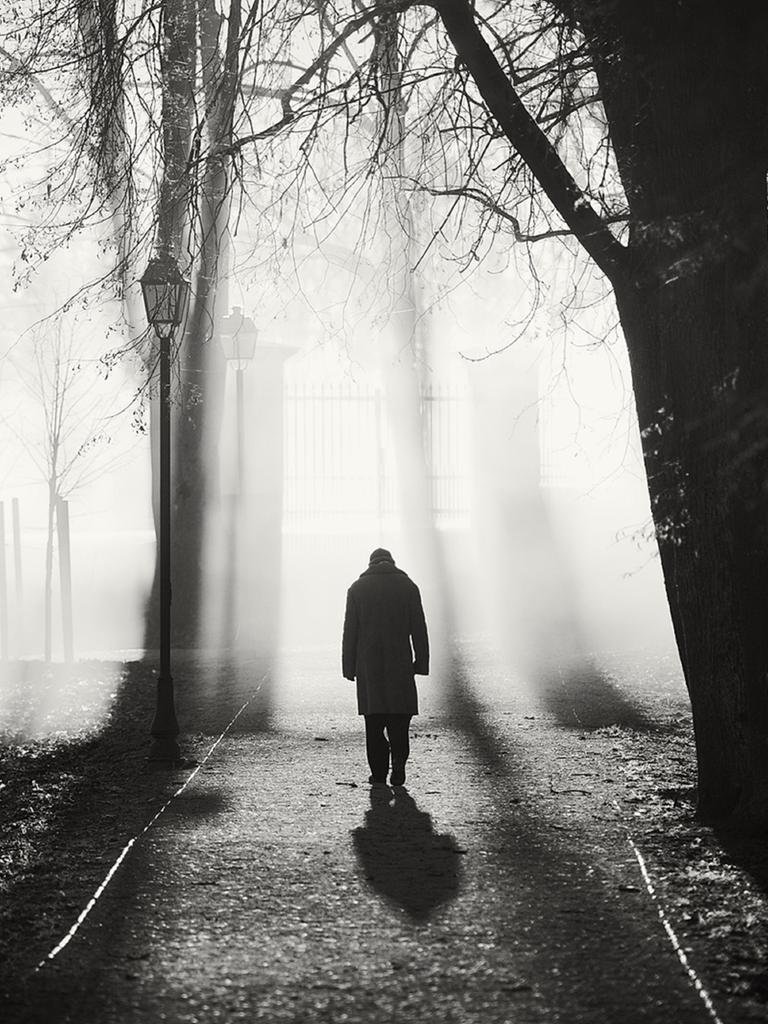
145,162
633,132
68,431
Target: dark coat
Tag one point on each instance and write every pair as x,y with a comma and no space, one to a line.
385,641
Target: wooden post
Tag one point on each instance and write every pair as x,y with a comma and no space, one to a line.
3,588
19,627
65,577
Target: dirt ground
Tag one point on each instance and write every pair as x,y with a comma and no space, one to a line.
503,884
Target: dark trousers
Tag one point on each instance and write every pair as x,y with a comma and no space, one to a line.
378,746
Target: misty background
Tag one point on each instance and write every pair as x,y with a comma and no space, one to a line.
472,419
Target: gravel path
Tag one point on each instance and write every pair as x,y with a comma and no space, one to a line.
499,886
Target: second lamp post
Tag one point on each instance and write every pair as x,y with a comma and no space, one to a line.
238,343
166,296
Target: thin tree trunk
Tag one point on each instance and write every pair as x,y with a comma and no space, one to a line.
48,593
65,578
178,64
203,367
3,588
403,356
20,621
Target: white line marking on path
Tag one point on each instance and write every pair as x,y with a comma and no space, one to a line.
689,970
127,848
681,956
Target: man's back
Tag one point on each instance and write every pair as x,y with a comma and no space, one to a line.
385,639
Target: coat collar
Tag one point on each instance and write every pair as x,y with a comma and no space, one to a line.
381,568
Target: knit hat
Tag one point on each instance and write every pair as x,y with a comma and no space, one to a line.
380,555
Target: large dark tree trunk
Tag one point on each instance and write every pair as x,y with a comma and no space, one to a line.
685,99
202,366
704,455
685,91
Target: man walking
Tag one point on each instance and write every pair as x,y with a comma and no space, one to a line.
384,645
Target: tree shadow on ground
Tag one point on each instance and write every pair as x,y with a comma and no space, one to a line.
582,696
748,852
201,806
211,688
566,910
470,714
402,856
73,799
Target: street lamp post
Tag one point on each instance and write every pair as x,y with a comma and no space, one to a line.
238,342
166,295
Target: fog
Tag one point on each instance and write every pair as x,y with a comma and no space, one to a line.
534,534
479,428
499,463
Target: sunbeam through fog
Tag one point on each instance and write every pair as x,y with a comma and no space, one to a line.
498,461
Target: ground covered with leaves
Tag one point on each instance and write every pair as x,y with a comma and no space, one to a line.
75,784
611,765
712,884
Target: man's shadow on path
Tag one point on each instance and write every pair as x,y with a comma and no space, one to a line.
403,858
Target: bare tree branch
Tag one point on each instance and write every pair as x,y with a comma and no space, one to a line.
529,140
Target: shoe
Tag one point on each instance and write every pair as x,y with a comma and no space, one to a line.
397,776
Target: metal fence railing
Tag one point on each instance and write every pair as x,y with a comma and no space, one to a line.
340,459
